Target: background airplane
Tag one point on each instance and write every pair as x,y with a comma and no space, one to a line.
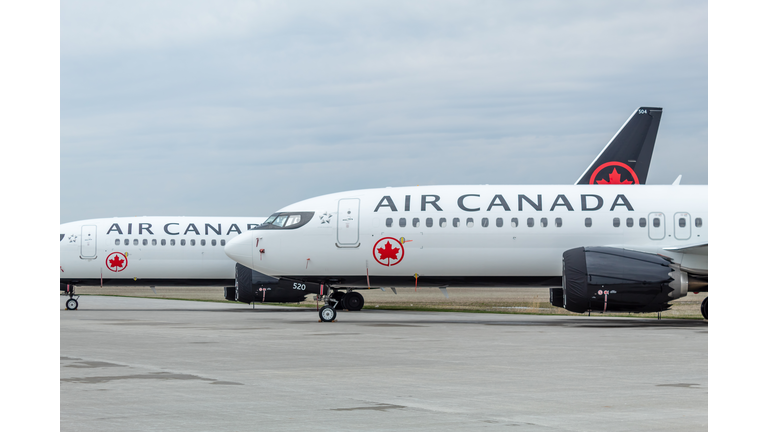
148,251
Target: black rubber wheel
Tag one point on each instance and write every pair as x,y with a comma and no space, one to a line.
71,304
327,314
354,301
704,308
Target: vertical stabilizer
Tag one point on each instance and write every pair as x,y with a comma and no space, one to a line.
627,157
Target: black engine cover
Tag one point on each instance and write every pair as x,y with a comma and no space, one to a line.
612,279
254,287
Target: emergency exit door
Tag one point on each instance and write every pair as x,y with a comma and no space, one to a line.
88,241
347,224
656,227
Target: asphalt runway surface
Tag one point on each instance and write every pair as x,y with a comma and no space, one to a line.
152,364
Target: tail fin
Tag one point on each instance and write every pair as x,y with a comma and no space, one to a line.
627,157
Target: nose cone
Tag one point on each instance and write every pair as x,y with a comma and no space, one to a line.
240,249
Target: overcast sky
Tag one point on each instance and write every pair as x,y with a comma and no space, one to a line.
240,108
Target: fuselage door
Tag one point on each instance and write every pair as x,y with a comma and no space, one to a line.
88,241
656,230
682,226
347,224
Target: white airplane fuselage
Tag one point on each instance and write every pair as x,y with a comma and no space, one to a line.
150,251
479,235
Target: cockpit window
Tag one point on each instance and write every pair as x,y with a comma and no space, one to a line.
61,237
286,220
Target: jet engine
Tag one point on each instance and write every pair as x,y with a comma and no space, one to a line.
620,280
254,287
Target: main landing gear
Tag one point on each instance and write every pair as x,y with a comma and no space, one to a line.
69,290
704,308
337,300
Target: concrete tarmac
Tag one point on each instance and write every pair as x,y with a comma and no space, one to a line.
132,364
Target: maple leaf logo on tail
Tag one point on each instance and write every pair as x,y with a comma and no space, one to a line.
614,178
618,171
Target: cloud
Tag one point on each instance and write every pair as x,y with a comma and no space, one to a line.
303,98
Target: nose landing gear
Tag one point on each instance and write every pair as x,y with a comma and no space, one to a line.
337,300
704,308
69,290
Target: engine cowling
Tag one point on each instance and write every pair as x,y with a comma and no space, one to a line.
618,280
254,287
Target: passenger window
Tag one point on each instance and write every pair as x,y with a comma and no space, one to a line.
588,222
499,222
162,242
630,222
415,222
389,222
402,222
192,242
558,222
183,242
642,223
117,242
429,222
656,222
126,242
530,222
136,242
681,222
470,222
514,222
616,222
443,223
202,242
698,223
144,242
154,242
484,222
456,222
213,242
173,242
543,222
223,242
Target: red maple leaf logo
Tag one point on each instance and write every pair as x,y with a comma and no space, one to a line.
614,178
116,262
388,252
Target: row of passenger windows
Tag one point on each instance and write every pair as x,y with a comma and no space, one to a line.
543,222
172,242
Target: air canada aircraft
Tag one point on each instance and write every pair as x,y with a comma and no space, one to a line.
148,251
188,251
619,248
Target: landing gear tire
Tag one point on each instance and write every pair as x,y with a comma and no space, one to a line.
327,314
353,301
71,304
704,308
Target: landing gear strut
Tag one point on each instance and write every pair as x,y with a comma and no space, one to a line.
337,300
70,291
704,308
328,312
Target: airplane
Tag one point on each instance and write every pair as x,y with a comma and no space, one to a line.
161,251
620,248
148,251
